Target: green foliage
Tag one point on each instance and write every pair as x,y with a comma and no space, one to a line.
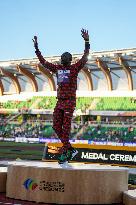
91,103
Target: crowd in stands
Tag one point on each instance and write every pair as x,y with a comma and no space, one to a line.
28,130
113,134
38,128
42,129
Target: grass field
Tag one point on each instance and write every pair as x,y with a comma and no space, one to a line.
13,150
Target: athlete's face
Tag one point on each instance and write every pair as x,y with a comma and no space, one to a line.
66,58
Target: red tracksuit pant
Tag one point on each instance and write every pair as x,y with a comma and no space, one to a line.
62,117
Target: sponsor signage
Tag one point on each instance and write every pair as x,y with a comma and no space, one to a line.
96,154
55,186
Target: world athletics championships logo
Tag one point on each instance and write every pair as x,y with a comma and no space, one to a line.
30,184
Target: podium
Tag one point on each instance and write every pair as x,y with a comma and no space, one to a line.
3,179
76,183
129,197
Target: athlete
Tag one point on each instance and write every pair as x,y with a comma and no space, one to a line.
66,74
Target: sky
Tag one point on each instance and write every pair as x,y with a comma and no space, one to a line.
58,23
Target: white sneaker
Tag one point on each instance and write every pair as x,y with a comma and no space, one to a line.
65,164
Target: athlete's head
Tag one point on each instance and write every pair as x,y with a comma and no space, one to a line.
66,58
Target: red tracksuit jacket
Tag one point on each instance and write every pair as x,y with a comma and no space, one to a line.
66,76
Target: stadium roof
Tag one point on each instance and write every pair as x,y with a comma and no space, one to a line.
106,62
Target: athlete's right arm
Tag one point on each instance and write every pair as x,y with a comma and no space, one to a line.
53,68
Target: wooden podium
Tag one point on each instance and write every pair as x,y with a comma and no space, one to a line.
77,183
129,197
3,179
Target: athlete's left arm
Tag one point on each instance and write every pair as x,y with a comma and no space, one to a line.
80,64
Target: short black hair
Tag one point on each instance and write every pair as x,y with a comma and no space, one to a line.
66,55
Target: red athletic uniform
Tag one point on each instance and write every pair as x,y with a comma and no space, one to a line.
66,93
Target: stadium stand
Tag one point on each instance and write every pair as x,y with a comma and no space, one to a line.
97,132
105,93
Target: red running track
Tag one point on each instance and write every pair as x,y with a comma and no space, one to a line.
8,201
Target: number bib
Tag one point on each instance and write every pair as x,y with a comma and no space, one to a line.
63,76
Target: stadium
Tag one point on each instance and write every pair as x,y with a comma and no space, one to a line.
104,118
106,102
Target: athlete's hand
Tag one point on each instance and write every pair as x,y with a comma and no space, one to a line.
84,34
35,42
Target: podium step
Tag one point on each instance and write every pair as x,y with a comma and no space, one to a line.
129,197
3,179
77,183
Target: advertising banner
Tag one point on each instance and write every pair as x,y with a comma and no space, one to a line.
102,154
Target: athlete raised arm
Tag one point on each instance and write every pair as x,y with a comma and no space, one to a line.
49,66
80,64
